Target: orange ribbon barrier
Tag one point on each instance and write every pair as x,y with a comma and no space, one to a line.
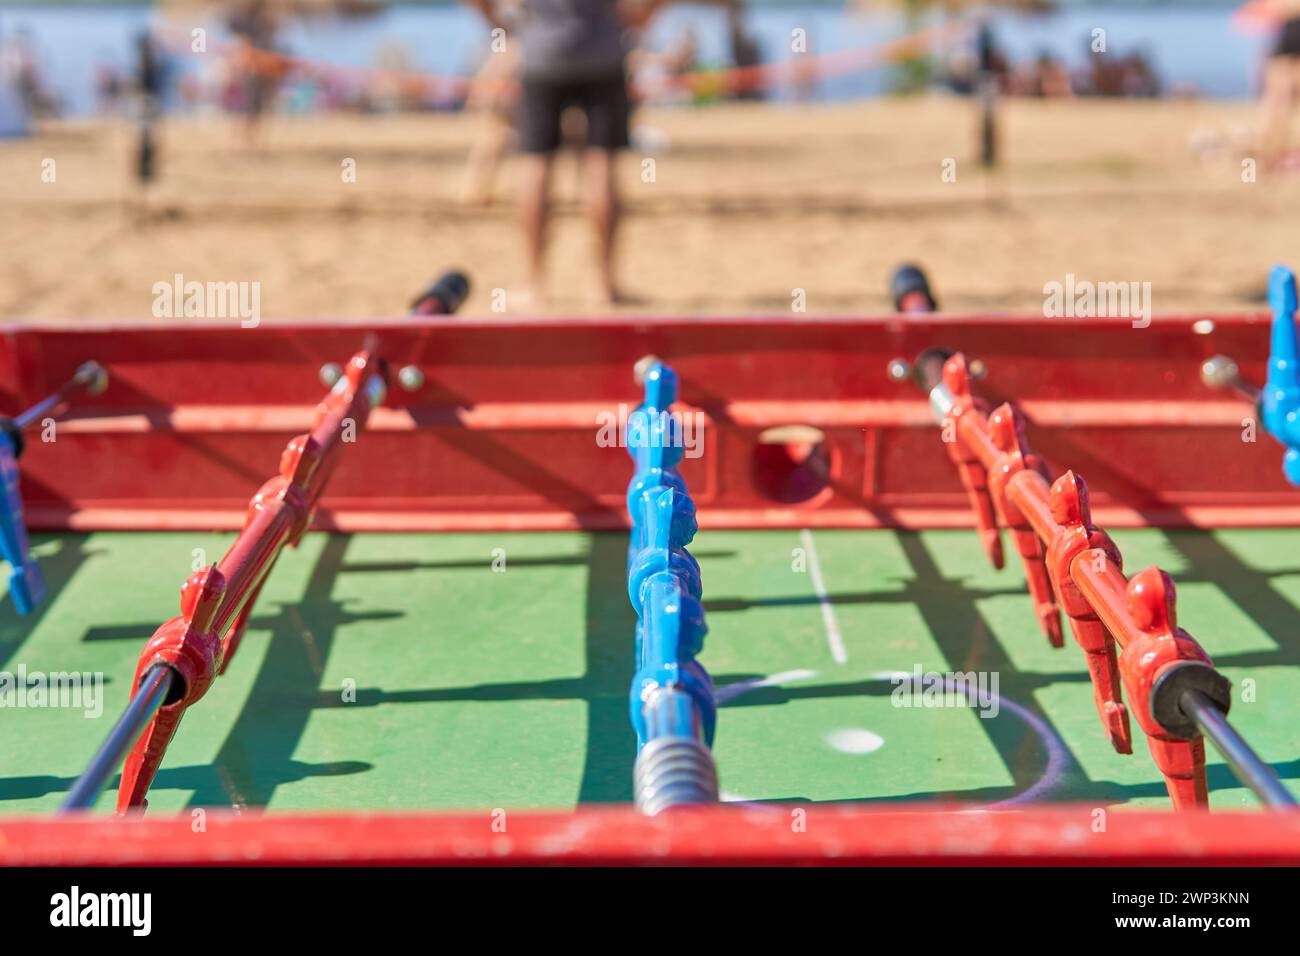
453,88
807,67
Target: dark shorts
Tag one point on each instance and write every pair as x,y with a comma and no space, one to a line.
604,100
1288,41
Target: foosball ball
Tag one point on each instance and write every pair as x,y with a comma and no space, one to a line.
464,619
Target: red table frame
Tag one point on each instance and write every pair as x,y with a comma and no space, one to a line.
500,434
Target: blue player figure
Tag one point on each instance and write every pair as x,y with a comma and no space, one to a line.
26,584
1280,399
672,703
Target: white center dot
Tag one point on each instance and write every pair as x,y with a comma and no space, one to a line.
855,740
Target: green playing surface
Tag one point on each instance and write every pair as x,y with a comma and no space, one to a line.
404,671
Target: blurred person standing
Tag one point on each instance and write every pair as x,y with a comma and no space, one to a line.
1281,76
573,55
494,97
21,65
745,51
149,89
258,65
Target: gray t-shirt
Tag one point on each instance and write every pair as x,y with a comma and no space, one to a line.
570,40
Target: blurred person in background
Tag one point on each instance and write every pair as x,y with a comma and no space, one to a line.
149,89
20,65
258,68
573,55
664,76
1044,76
110,86
745,51
1281,78
494,96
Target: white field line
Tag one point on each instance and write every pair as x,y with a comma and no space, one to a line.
833,636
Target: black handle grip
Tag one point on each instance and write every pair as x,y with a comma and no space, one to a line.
444,297
910,290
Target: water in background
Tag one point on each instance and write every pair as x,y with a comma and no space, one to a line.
1197,48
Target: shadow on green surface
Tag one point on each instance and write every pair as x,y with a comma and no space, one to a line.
268,622
609,625
257,756
610,640
58,569
193,777
725,605
770,694
478,564
952,616
1100,793
953,619
1249,589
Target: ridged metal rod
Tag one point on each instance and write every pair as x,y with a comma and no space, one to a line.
674,768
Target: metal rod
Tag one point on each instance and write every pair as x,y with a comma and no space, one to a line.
1221,372
152,692
90,375
941,402
671,713
38,411
1243,761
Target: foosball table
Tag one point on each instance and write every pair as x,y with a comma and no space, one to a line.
464,620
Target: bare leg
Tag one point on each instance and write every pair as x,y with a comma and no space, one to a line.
492,97
1279,78
251,139
1293,94
534,189
602,199
484,157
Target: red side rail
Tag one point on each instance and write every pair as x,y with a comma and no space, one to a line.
793,835
496,426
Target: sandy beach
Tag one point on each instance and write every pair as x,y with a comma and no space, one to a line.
748,203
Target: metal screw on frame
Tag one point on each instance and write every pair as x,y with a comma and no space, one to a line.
410,378
330,373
